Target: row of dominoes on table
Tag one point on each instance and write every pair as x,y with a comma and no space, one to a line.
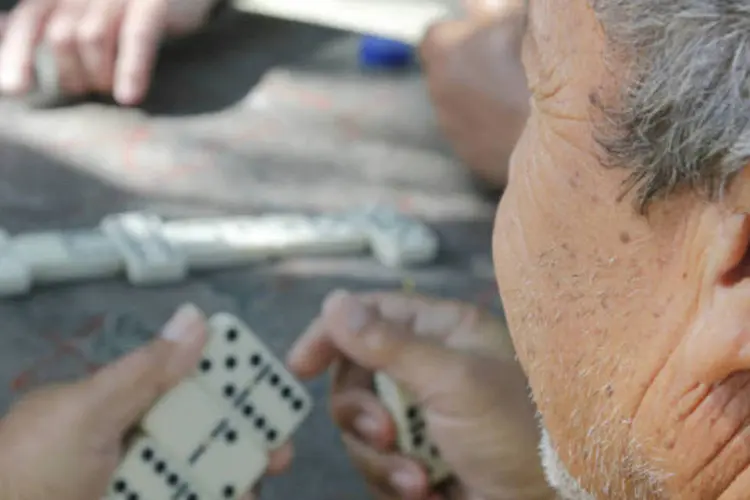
151,251
210,437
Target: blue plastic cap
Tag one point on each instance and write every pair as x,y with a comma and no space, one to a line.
376,52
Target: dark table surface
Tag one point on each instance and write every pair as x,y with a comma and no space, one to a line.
254,115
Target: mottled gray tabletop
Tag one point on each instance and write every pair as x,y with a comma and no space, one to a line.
251,116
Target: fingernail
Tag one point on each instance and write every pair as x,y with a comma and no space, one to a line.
186,322
356,315
333,300
10,81
404,482
125,94
353,311
367,426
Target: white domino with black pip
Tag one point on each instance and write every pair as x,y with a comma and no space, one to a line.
220,450
411,428
15,275
150,258
239,367
149,471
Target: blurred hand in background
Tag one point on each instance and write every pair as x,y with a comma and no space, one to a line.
477,84
99,46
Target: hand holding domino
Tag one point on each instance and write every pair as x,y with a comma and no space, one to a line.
211,436
369,385
140,428
428,395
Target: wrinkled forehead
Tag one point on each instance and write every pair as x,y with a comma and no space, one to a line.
560,20
564,34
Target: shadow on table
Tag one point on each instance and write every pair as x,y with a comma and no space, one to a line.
38,191
217,68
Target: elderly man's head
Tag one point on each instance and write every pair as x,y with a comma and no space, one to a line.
621,245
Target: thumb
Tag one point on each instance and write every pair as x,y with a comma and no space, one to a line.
120,393
441,38
440,377
4,17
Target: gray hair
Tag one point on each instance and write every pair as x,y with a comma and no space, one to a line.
683,118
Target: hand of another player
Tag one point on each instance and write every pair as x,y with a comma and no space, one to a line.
99,46
66,441
459,363
477,84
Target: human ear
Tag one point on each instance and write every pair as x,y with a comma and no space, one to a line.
718,341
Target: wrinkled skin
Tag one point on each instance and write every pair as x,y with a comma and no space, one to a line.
476,81
632,329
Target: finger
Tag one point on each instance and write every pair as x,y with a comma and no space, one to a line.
424,366
17,52
361,413
278,462
280,459
139,41
452,488
390,475
4,18
62,39
313,353
438,44
252,495
120,393
425,316
346,376
453,323
97,42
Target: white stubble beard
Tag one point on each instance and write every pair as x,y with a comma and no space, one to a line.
558,476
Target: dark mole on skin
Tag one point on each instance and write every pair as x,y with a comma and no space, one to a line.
575,181
609,391
625,237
